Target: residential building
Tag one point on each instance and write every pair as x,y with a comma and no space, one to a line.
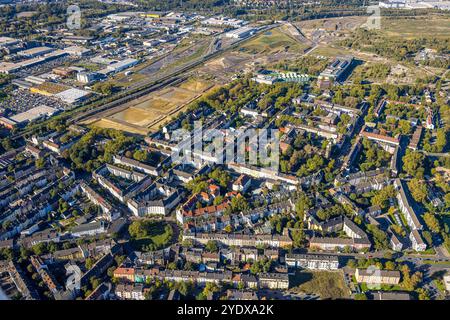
89,229
272,280
396,244
312,261
130,291
241,240
242,183
328,243
416,241
405,205
377,276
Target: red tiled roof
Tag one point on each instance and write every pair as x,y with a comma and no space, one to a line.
124,271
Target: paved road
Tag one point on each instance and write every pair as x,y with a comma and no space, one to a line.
433,154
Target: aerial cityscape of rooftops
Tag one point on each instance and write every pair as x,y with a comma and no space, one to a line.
225,150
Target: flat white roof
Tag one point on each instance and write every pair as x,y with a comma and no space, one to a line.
122,63
76,49
34,113
37,50
7,40
7,66
72,95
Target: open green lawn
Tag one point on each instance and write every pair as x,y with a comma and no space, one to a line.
383,287
415,27
152,235
326,284
272,41
329,51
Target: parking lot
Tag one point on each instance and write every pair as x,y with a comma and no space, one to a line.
22,100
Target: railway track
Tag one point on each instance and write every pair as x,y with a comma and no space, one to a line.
102,105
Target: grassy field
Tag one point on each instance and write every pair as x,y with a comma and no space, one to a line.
158,235
332,24
392,28
416,27
328,285
272,41
329,51
384,287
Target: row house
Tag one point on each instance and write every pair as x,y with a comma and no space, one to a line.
312,261
242,219
352,230
395,243
377,276
200,278
159,257
130,291
23,220
329,243
406,206
98,269
246,254
241,240
154,171
45,236
358,177
345,201
157,199
275,281
331,225
102,292
139,181
22,283
416,241
108,210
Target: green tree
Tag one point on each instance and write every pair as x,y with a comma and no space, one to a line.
137,229
432,222
382,197
418,190
389,265
141,155
212,246
413,164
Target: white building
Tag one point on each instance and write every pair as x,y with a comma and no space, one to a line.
77,51
122,65
86,77
312,261
416,241
89,229
405,207
72,96
447,282
130,291
242,183
240,33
